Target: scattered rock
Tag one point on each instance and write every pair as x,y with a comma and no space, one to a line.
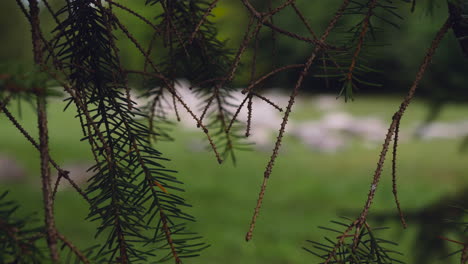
443,130
10,169
319,137
329,134
327,103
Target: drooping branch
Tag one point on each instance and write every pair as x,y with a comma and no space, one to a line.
294,93
361,221
51,231
398,115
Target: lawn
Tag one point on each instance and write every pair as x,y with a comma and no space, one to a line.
306,189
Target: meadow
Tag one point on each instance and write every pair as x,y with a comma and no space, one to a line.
307,188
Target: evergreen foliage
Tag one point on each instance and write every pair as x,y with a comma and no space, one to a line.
133,195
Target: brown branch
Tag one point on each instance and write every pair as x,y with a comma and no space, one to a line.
62,173
73,248
136,14
246,39
304,20
241,50
263,19
292,97
170,88
149,179
234,117
175,107
273,34
341,239
205,15
273,72
361,220
207,106
249,117
268,101
397,116
451,240
362,35
51,231
394,179
144,73
464,254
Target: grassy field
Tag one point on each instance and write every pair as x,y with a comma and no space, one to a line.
306,189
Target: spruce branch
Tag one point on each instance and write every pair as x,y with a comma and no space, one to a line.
128,169
292,97
394,178
170,87
18,241
43,136
398,115
360,223
61,172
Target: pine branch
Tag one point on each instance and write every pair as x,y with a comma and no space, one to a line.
294,93
398,115
128,169
17,240
51,232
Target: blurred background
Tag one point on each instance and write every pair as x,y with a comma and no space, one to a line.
327,160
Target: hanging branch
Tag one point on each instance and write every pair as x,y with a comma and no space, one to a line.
305,70
202,20
128,169
361,221
398,115
166,84
43,137
349,63
17,240
365,25
196,54
61,172
394,178
370,249
80,255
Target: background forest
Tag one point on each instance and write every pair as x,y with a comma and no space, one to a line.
312,183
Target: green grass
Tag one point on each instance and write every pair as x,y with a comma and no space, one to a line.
306,188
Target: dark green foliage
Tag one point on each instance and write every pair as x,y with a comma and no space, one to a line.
195,53
18,240
132,193
458,10
436,223
349,61
362,247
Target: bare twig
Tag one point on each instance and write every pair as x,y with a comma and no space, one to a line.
364,28
266,76
200,23
62,173
51,231
394,183
361,220
305,70
73,248
397,116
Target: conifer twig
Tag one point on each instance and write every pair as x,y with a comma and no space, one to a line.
291,102
51,232
361,221
397,116
200,23
61,172
394,179
73,248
